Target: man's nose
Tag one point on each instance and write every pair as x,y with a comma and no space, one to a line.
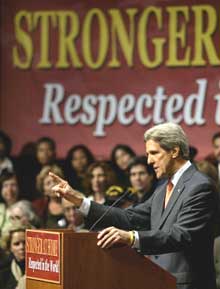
149,160
22,246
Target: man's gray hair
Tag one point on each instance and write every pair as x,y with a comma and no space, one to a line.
169,135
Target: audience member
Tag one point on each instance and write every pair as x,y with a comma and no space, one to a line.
73,219
48,207
13,276
45,154
6,164
99,178
210,170
193,151
120,157
78,159
22,211
214,158
9,195
142,178
46,151
216,151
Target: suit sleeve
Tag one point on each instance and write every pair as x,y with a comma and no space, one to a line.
132,218
193,222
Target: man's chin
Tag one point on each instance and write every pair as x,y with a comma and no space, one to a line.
160,176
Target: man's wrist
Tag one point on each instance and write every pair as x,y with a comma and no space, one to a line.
78,202
132,238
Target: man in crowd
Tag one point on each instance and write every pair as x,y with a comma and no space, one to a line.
142,178
216,151
175,226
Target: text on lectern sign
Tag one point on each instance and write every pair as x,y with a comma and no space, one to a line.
43,255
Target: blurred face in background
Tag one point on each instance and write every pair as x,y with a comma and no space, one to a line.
122,159
45,153
17,246
10,191
79,161
216,148
98,180
140,179
48,183
17,215
69,211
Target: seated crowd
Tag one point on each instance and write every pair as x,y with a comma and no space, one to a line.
26,200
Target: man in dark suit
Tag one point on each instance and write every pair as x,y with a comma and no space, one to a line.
216,151
174,226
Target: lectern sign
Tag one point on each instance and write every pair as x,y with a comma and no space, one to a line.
43,255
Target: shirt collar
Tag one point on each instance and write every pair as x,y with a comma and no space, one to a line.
175,178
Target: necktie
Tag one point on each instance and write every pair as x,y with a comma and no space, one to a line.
169,189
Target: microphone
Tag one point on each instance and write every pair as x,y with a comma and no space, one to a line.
128,191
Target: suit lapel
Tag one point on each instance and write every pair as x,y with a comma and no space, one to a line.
173,199
159,201
175,195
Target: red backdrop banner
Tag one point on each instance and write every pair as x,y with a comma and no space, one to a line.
101,73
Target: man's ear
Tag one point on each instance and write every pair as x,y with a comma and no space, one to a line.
175,152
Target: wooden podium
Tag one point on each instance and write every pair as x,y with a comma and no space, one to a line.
83,265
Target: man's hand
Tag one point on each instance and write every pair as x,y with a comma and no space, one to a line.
63,189
110,236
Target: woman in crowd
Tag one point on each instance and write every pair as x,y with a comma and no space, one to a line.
31,164
48,207
120,157
9,196
13,242
99,178
77,161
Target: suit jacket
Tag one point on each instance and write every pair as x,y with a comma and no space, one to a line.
178,238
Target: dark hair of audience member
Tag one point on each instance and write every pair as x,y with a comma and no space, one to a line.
48,140
74,174
193,151
5,139
45,151
215,136
141,160
150,180
121,155
209,170
28,150
128,150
